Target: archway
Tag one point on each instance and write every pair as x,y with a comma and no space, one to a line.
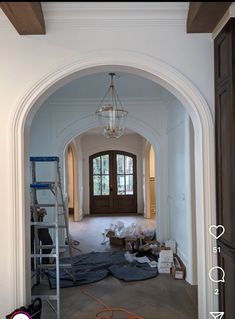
201,117
150,181
135,126
72,179
80,127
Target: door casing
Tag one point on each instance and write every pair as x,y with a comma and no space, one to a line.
113,203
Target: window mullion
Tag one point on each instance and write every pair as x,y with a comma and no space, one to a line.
125,173
101,175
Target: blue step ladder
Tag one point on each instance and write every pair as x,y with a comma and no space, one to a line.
60,221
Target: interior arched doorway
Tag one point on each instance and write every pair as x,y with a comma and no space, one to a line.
72,180
199,111
72,132
150,198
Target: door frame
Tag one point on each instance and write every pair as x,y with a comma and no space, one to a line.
113,177
70,178
147,209
203,122
76,184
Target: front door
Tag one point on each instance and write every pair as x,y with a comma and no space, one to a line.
113,183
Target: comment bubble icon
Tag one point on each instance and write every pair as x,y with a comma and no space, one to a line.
217,274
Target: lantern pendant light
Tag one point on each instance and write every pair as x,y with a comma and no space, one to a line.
111,114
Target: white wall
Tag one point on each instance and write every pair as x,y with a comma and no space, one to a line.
57,116
166,118
92,144
25,60
152,162
177,154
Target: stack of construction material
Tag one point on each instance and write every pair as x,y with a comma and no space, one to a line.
165,261
171,244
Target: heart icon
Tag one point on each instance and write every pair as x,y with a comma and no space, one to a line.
214,230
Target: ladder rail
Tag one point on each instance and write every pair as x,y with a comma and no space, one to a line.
38,253
57,246
66,225
36,237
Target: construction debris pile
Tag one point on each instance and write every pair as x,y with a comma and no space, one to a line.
140,245
135,254
131,237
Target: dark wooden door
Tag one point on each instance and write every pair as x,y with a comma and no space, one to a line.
225,160
113,183
227,262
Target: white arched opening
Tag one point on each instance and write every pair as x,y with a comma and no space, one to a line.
137,126
90,122
150,163
196,106
74,182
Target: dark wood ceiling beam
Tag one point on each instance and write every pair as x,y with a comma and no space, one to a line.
203,17
26,17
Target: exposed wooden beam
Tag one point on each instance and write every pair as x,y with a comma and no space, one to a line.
204,16
26,17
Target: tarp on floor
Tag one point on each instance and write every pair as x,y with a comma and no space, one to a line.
95,266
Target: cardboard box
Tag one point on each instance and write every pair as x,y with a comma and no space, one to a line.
110,233
178,269
131,243
164,270
171,244
163,264
116,241
166,256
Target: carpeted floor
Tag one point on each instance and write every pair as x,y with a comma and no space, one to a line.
157,298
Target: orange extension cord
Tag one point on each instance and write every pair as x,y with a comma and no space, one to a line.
108,310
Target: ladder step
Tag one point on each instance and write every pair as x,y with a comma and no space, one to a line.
47,205
45,297
51,246
46,225
42,185
46,266
44,159
43,255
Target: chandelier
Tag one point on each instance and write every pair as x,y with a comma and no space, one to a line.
110,112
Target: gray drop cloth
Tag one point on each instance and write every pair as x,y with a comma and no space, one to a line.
133,272
95,266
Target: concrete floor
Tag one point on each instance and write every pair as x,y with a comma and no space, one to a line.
158,298
89,231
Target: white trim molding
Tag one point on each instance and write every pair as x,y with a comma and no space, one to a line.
230,13
85,14
109,15
177,84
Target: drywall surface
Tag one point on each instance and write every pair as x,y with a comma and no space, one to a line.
177,179
53,127
131,143
25,60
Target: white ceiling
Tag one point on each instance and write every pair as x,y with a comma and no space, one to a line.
127,85
99,131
